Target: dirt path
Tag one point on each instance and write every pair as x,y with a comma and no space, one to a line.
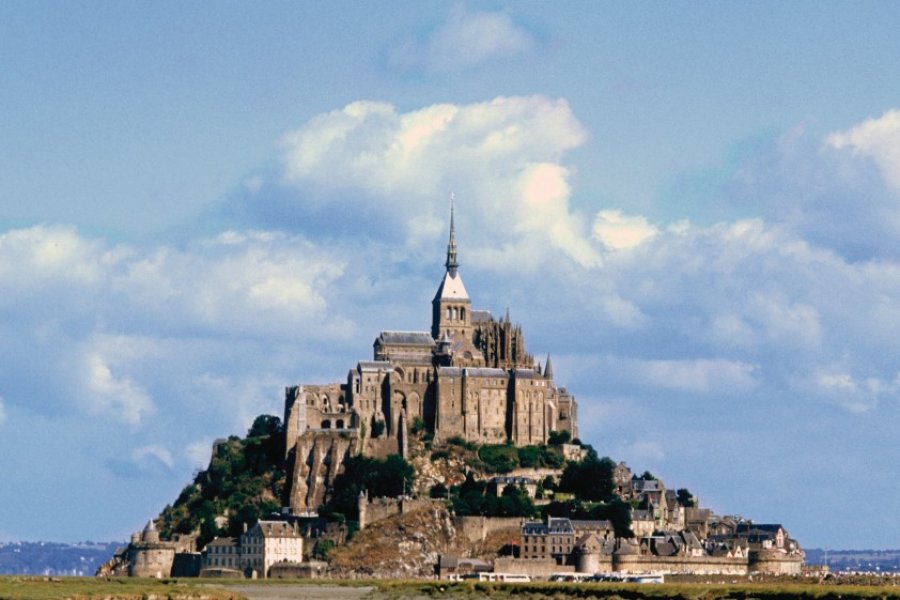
305,592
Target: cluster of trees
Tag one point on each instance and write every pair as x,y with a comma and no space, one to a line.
503,458
472,497
390,477
245,478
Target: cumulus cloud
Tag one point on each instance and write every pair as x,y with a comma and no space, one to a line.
839,194
698,375
851,392
97,323
465,40
502,158
878,139
119,395
618,231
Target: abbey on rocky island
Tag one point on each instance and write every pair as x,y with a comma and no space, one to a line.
470,377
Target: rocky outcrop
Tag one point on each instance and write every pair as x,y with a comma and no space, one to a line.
315,461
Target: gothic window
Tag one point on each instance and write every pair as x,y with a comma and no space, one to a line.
326,424
462,314
448,313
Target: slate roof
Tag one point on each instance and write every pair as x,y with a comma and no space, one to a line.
277,529
481,316
223,542
485,372
374,365
406,338
581,524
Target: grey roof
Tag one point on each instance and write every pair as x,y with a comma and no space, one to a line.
452,371
406,338
592,525
374,365
525,373
646,485
560,525
534,528
641,515
276,529
548,368
481,316
223,541
485,372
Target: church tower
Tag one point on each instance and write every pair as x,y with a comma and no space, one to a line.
451,307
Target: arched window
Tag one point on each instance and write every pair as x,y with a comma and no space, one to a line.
326,424
462,314
339,424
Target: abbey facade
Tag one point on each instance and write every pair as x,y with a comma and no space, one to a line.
470,377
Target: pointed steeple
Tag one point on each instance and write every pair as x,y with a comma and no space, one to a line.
452,262
548,368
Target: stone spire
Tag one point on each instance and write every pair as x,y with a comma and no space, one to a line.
548,368
452,262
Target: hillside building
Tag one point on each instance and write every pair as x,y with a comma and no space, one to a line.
469,376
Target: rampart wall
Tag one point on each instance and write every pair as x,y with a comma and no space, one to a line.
476,529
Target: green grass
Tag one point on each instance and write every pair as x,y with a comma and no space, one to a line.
84,588
73,588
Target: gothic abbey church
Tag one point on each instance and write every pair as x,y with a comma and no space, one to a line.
469,377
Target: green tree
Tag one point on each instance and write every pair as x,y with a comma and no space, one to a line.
590,479
685,498
559,437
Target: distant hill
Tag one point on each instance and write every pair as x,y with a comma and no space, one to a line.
869,561
53,558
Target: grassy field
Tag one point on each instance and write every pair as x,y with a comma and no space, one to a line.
84,588
35,588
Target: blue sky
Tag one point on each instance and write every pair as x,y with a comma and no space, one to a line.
694,207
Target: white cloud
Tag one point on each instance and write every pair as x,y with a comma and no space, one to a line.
151,455
120,395
502,158
878,139
700,375
464,40
618,231
853,393
2,411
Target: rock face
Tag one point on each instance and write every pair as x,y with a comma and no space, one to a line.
401,546
316,461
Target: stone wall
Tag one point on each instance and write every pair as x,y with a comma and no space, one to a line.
536,568
631,563
378,509
150,559
775,562
476,529
313,569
